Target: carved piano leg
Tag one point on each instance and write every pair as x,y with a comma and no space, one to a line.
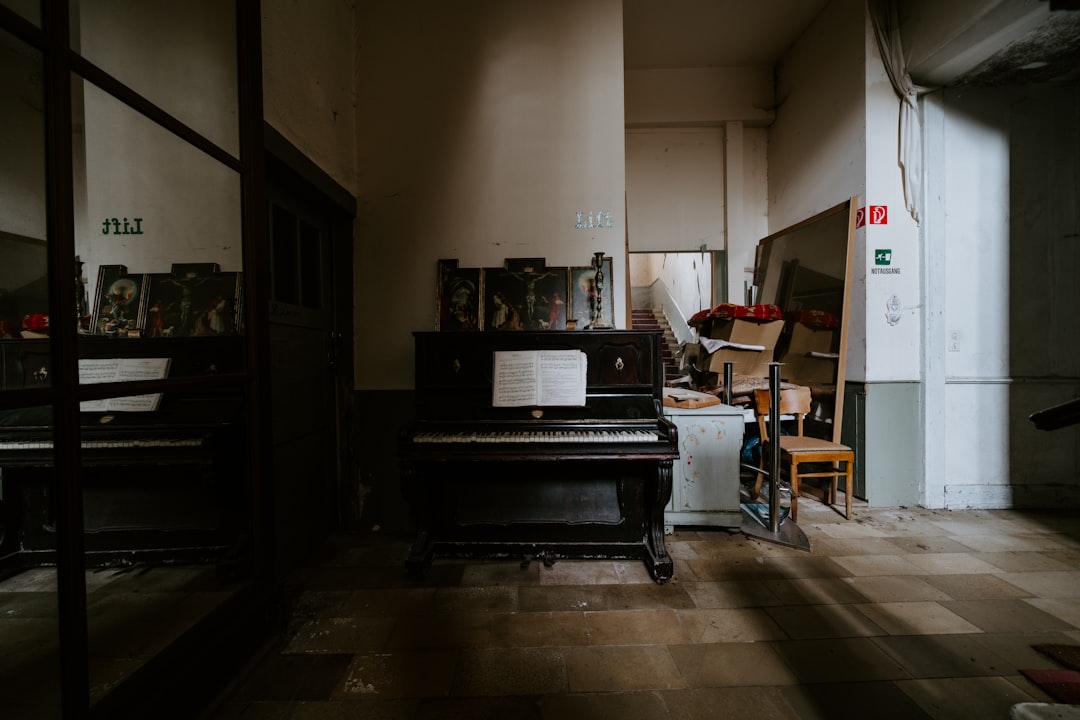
420,555
660,564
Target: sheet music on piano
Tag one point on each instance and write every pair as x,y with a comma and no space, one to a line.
539,377
127,369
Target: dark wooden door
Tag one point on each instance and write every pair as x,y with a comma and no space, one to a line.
310,246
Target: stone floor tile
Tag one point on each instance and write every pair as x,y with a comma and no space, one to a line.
724,625
731,664
759,703
832,701
625,668
635,627
337,635
803,622
815,591
406,674
975,587
944,656
510,671
864,565
600,706
539,629
1046,584
889,588
848,660
964,698
732,594
950,563
917,618
1005,616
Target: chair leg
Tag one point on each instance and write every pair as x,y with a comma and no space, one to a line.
760,477
847,490
794,478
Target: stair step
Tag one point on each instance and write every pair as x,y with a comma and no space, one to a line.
648,319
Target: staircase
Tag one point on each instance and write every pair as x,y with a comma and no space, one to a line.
648,319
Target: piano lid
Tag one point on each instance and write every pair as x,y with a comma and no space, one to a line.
455,374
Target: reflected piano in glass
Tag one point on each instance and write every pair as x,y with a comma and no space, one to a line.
161,484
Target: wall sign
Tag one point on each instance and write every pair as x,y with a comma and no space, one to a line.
599,218
121,226
872,215
883,263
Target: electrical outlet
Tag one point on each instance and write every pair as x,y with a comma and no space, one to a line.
954,341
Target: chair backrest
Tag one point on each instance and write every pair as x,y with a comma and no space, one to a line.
793,401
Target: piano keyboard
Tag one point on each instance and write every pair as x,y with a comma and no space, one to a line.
540,436
107,444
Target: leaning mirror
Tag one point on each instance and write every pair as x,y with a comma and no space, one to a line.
805,269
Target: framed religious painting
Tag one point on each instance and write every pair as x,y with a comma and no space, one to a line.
194,305
458,292
526,300
120,301
503,299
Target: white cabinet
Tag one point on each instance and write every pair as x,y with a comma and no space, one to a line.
705,481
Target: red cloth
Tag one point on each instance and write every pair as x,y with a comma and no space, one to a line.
1062,685
728,311
816,319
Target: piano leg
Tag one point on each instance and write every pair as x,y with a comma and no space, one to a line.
419,499
660,564
420,555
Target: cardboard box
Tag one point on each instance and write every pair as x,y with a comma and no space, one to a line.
803,368
751,363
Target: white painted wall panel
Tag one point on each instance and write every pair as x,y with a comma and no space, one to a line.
675,189
976,238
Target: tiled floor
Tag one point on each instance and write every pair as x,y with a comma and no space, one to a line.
898,613
133,613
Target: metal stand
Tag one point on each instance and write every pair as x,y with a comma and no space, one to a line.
781,530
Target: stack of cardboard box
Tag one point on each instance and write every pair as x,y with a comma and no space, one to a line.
744,335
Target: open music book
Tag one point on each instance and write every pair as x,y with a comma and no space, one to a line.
539,377
129,369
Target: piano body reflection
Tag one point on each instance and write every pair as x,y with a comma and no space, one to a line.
537,481
162,483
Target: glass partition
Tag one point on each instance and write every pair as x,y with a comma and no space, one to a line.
29,9
127,516
157,226
24,286
181,56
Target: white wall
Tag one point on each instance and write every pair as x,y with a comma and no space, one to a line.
484,127
1001,267
675,189
892,295
309,93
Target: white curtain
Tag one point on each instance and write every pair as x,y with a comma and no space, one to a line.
883,16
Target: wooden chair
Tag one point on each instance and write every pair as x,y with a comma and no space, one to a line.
798,449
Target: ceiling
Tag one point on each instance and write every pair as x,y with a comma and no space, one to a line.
670,34
971,42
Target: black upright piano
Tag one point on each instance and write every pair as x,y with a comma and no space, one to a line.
162,484
539,481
